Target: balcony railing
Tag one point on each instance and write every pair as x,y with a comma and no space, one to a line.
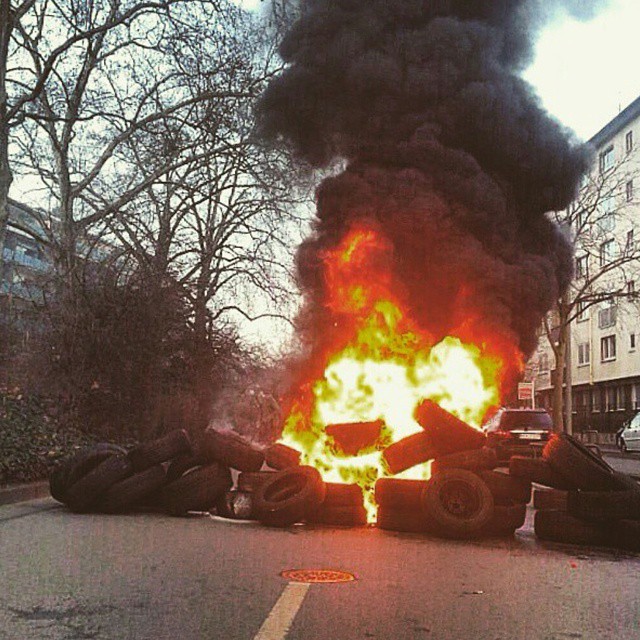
24,260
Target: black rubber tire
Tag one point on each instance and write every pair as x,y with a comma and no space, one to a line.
538,471
149,454
409,452
197,490
236,505
231,450
87,492
183,463
550,499
458,502
604,506
507,489
626,535
71,469
581,467
249,481
289,496
404,521
558,526
626,482
343,495
594,448
343,516
474,460
58,483
130,492
448,434
400,495
279,456
506,520
355,438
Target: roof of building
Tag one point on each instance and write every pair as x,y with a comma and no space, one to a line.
623,119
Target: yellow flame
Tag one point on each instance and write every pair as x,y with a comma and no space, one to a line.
383,374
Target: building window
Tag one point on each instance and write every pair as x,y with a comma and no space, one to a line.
584,353
607,220
610,398
581,218
543,362
621,398
607,252
595,400
635,396
632,341
629,141
582,266
608,348
582,311
607,317
629,189
629,246
631,289
606,159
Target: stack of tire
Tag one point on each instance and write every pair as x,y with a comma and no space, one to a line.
168,474
465,498
290,493
174,476
586,501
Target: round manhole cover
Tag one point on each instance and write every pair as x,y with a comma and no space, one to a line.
317,576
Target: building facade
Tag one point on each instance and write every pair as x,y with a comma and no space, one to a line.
25,258
603,351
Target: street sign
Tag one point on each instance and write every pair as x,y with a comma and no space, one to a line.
525,390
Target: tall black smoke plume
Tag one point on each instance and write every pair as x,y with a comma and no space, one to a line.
448,151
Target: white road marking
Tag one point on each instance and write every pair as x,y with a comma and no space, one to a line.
280,618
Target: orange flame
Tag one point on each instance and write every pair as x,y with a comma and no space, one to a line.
379,365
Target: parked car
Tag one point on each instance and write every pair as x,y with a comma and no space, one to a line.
630,437
514,432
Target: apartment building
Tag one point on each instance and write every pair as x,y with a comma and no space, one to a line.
604,335
25,259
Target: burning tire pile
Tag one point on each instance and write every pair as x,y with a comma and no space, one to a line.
466,497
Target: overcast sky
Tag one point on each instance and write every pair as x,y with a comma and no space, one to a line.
586,72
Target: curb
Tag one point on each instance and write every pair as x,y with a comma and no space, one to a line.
616,453
23,492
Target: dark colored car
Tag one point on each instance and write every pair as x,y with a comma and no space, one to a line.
512,432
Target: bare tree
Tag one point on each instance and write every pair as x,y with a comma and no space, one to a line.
71,64
43,45
223,219
600,224
142,140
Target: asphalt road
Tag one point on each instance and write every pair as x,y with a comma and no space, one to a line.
625,462
146,576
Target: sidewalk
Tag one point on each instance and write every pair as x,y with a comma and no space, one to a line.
613,452
22,492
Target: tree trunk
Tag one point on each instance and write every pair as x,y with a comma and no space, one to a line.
558,381
6,176
568,392
202,384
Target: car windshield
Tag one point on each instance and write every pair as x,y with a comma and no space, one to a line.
519,419
635,423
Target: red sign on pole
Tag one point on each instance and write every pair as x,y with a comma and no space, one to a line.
525,390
